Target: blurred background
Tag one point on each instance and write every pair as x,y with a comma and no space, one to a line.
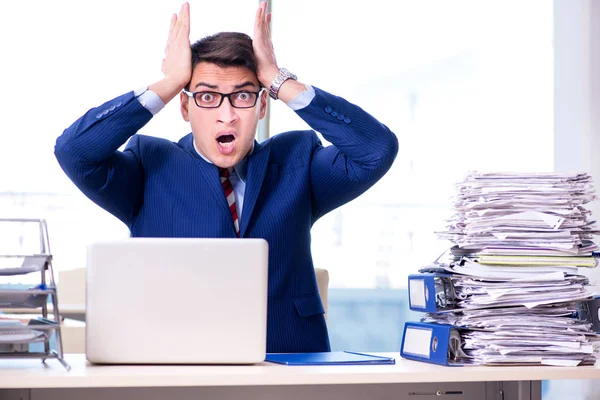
466,85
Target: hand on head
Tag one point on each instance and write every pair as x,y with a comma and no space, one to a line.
267,68
177,64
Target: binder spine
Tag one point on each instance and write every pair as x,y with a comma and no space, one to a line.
426,342
431,293
589,311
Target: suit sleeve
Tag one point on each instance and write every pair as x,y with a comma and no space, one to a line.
88,153
362,151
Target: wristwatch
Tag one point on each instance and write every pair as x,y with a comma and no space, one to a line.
283,76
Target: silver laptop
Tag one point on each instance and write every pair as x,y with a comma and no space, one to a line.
177,301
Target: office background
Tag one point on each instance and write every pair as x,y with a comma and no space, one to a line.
465,84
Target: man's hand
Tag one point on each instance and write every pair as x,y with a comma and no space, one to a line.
267,68
177,64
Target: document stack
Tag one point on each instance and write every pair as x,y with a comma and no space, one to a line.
510,292
26,286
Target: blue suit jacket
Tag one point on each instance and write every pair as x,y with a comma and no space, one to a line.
165,189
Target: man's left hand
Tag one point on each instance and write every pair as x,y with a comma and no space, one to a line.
267,68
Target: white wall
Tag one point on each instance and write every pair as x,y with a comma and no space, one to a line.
577,122
577,91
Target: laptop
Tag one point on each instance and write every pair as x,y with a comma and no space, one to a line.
176,301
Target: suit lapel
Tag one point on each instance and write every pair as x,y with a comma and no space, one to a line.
211,176
257,166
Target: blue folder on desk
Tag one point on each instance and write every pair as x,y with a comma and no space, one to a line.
431,342
329,358
431,292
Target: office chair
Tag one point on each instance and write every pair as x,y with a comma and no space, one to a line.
323,285
71,286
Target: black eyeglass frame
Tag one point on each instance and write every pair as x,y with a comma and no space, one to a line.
223,96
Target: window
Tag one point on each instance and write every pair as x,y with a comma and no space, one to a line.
68,57
464,85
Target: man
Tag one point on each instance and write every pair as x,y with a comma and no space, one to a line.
218,181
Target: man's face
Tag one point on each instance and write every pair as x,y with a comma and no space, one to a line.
224,135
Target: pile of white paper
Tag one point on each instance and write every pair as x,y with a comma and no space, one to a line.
475,293
519,241
16,332
535,214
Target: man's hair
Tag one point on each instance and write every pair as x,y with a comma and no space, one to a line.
225,49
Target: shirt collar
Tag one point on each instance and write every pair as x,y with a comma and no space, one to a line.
240,169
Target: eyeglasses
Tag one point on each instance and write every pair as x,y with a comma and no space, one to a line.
241,99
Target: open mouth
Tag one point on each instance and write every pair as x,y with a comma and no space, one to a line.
226,142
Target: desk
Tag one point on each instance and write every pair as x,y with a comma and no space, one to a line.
31,380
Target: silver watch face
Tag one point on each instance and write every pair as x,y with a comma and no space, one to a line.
284,74
287,73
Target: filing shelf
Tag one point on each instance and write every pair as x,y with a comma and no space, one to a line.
40,263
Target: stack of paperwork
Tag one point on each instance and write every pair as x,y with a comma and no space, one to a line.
523,215
520,241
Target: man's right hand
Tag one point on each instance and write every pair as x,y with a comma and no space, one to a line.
177,64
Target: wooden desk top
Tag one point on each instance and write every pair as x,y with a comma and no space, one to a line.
28,373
